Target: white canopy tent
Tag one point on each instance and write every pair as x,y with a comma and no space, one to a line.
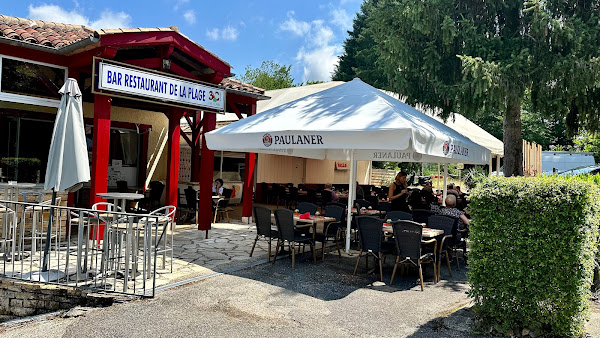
352,121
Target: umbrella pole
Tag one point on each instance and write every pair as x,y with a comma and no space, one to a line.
49,232
351,196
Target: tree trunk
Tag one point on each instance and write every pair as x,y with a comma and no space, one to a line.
513,139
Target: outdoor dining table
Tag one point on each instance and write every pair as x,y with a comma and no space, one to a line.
120,198
368,212
311,222
11,190
427,232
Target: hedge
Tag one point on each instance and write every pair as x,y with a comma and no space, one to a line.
533,242
28,168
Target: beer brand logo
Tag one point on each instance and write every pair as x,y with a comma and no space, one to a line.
417,156
267,140
446,148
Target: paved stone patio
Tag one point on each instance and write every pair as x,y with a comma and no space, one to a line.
228,246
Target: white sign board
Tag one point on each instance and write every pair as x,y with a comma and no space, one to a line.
147,84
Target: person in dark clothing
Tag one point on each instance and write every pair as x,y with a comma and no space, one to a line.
398,193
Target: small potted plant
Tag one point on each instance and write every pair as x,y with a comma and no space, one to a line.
317,213
389,221
370,207
296,212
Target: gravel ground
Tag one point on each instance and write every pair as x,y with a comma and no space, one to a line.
275,300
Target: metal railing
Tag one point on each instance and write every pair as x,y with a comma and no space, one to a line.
97,249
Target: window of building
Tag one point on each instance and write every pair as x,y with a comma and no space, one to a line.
30,82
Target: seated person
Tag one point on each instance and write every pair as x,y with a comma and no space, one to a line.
451,190
217,188
334,197
451,210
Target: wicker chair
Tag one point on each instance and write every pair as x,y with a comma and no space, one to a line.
448,239
331,229
305,207
408,236
370,234
421,215
284,218
262,216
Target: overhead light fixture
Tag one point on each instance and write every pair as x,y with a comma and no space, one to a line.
166,64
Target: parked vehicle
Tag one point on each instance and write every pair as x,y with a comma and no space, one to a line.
589,170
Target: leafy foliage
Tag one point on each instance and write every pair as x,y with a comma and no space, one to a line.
588,142
269,76
486,57
26,168
531,267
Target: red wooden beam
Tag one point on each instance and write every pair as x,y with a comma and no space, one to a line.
145,63
235,110
86,58
101,147
166,38
186,138
207,165
174,115
236,98
35,55
177,69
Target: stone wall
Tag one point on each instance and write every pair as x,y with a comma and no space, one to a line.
21,299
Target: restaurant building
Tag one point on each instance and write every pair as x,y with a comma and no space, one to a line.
137,85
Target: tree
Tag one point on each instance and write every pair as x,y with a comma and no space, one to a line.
360,59
269,76
477,57
588,142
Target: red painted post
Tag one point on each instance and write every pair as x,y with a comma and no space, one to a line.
207,164
174,116
248,185
248,178
101,147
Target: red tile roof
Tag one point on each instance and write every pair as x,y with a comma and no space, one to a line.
50,34
59,35
234,84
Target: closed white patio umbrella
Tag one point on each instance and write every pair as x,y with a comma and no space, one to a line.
353,121
68,164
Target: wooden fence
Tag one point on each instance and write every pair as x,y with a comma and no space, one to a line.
532,158
381,177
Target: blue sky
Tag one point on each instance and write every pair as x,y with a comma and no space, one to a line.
305,34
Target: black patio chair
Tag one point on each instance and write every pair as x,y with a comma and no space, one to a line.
408,237
305,207
331,229
421,215
360,203
291,200
446,241
326,197
122,186
191,205
342,205
385,208
262,217
399,216
284,218
373,201
370,234
155,194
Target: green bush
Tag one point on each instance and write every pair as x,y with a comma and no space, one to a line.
27,168
533,242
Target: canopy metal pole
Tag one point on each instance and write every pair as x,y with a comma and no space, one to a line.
221,168
351,196
445,184
438,184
